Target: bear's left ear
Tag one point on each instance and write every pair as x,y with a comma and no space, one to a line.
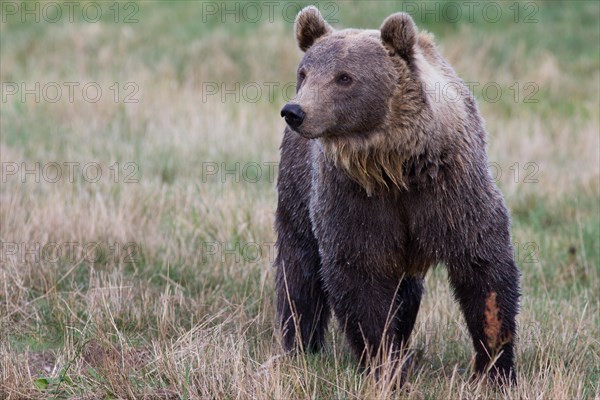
310,26
400,33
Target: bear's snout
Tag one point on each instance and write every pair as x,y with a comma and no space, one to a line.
293,114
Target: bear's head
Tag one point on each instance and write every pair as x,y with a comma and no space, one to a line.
362,95
346,79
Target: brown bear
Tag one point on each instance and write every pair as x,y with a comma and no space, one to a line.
380,179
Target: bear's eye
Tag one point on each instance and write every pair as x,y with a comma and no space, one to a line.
344,79
301,76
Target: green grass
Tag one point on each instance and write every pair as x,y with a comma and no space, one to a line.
174,319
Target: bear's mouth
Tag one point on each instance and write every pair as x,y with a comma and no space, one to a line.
306,134
306,131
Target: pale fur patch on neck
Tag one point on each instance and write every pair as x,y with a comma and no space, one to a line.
444,91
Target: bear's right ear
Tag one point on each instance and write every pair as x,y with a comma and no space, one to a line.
399,32
310,26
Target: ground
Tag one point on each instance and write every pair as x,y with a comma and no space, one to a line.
146,268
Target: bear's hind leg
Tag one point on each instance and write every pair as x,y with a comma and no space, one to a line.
488,294
409,300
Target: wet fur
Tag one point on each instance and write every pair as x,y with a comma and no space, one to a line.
362,216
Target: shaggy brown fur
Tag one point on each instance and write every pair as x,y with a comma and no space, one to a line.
380,179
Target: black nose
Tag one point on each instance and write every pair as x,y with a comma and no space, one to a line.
293,115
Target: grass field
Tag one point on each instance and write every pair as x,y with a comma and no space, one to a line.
144,270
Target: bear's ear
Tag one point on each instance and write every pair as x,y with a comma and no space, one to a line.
310,26
399,32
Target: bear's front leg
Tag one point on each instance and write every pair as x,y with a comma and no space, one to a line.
377,314
302,307
488,293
